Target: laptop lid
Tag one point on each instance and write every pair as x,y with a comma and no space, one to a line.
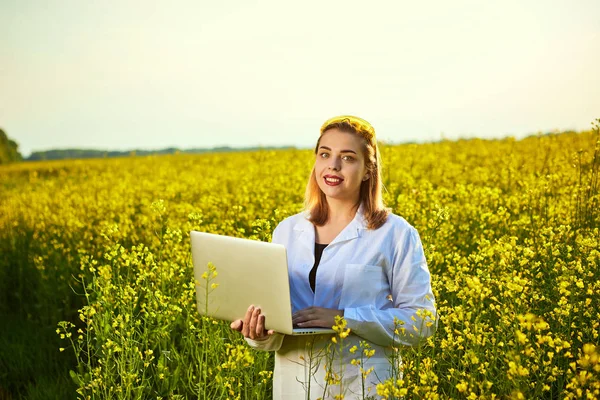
248,272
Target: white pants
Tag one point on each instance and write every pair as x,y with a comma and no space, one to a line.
300,369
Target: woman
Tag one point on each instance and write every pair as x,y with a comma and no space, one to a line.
348,256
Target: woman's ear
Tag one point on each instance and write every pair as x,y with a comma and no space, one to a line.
365,177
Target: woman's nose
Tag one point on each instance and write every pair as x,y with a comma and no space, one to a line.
334,164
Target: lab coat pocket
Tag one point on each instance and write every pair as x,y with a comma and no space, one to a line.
363,285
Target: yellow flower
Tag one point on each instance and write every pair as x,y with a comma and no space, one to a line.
521,337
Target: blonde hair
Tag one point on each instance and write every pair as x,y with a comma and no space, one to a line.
370,196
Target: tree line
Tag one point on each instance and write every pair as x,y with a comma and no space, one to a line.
9,149
62,154
9,152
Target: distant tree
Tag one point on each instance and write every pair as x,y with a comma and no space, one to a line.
9,149
63,154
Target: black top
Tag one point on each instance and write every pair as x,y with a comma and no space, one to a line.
312,276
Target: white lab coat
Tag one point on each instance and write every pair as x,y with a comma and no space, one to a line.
374,276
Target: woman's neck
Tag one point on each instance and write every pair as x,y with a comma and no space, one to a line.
341,211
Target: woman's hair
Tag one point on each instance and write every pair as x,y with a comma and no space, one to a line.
370,196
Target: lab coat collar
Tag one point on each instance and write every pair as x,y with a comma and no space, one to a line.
353,230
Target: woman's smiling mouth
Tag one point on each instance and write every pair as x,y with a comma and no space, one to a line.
332,180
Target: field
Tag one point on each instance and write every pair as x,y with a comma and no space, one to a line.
97,298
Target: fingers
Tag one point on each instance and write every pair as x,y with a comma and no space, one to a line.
313,323
246,328
237,325
252,331
260,326
305,315
313,317
261,332
253,325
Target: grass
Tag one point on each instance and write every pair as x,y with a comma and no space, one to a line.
30,365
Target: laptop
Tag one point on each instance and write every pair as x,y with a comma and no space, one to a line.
248,272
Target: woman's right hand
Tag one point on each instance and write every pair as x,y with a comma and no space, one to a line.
253,325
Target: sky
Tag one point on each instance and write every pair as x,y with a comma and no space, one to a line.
128,74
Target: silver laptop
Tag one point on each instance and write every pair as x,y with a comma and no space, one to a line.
248,272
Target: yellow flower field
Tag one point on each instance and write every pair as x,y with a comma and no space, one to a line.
100,250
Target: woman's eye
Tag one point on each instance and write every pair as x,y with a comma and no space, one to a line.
324,155
347,158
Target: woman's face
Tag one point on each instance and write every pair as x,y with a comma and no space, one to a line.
340,165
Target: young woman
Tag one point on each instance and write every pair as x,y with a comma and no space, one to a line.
348,256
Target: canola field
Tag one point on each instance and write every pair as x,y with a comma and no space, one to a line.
99,250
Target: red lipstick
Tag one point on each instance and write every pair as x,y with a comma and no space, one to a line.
332,180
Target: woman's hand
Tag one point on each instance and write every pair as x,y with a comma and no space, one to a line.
253,325
316,317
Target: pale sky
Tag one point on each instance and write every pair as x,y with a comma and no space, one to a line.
130,74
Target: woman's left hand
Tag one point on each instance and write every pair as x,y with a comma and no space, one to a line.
316,317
